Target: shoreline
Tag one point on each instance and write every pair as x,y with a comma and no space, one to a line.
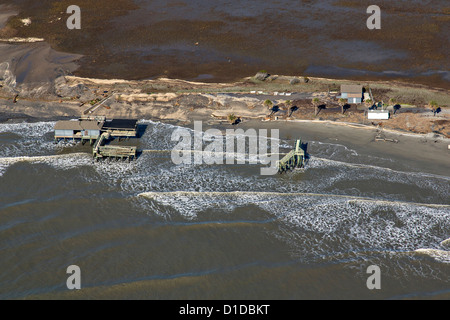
38,84
415,153
44,94
174,99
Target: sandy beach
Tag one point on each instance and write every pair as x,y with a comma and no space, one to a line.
423,138
413,152
37,84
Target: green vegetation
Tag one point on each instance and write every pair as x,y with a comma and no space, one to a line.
231,118
434,107
93,102
49,22
342,103
433,104
268,103
412,95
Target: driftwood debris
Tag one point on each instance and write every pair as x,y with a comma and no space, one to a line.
381,137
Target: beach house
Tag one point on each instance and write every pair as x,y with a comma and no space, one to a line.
79,129
90,128
353,93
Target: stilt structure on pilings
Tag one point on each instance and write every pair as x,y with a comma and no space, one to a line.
101,151
294,159
99,131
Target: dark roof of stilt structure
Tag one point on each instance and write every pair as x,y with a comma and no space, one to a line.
120,124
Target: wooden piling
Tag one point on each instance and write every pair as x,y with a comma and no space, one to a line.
294,159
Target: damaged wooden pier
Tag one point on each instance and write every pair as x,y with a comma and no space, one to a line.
294,159
102,151
99,132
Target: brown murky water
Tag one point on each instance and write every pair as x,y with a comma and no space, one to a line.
154,230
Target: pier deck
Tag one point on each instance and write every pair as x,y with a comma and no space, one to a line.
99,130
294,159
101,151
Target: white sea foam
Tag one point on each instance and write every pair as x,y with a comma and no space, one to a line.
378,168
342,171
304,203
150,173
63,162
35,129
351,223
333,148
28,139
9,79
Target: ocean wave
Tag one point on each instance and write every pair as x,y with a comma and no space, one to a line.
239,194
66,161
154,173
158,136
33,129
27,139
341,223
338,163
335,148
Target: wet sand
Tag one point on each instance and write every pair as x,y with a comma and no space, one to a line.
142,41
426,153
414,153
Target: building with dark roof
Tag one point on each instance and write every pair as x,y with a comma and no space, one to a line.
91,129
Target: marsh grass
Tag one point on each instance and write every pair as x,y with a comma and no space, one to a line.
49,21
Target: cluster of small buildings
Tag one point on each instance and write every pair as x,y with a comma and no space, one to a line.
355,94
90,128
99,131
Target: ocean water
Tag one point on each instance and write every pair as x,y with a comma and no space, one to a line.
150,229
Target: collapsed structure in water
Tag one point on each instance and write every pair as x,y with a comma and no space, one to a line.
296,158
99,131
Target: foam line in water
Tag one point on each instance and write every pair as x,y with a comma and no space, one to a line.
206,152
368,166
338,223
317,163
34,129
212,156
352,152
60,161
278,194
13,160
